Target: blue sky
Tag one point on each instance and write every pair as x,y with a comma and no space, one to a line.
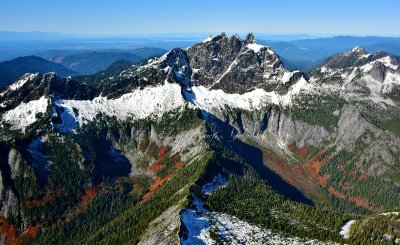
322,17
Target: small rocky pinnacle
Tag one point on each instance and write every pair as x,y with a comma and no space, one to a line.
250,38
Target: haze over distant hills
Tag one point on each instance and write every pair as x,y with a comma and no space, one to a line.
306,54
14,69
70,62
90,62
298,51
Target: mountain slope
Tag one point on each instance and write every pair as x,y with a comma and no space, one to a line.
188,146
14,69
103,76
302,54
95,61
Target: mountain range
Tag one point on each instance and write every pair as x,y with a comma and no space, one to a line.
70,63
308,54
11,70
90,62
215,143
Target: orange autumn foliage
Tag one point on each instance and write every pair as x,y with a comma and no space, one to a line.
363,176
162,151
48,197
178,165
359,202
156,166
10,233
314,164
324,179
303,151
153,188
88,196
336,193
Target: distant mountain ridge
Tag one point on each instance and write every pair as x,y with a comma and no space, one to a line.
90,62
14,69
307,54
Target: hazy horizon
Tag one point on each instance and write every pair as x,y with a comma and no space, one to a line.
185,35
105,17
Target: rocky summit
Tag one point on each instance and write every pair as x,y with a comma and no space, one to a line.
217,143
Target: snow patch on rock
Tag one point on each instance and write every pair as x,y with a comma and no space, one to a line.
207,39
258,47
25,113
197,224
386,61
218,182
139,104
234,231
200,222
390,213
345,232
255,47
286,76
208,100
19,83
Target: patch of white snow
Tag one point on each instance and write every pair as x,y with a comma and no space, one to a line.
207,39
139,104
255,47
218,182
213,99
345,232
25,113
18,84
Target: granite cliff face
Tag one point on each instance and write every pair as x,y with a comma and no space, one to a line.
238,66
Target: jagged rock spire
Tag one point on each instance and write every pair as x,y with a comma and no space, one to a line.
250,38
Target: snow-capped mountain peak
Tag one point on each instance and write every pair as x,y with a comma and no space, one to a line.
358,50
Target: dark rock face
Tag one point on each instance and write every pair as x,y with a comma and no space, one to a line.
232,65
355,57
48,84
179,66
358,65
378,71
172,67
214,57
250,38
220,62
379,55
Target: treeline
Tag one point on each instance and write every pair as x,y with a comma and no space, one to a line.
251,199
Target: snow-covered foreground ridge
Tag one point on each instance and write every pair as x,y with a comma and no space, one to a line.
18,84
26,113
201,223
139,104
155,101
210,99
147,102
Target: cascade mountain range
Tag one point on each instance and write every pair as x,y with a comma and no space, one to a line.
70,62
217,143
